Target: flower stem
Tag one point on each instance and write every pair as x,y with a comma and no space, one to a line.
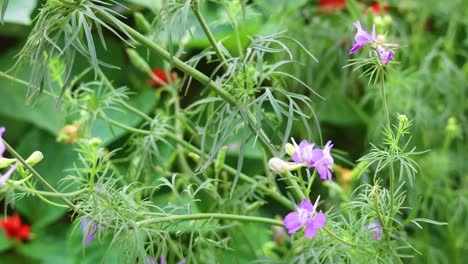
343,241
202,216
272,193
384,99
206,29
37,175
197,75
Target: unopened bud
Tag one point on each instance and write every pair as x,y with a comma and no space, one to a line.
142,23
403,118
452,127
138,61
194,156
378,21
279,166
4,162
35,158
290,149
96,142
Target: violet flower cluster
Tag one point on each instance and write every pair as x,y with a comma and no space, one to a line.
7,175
363,38
162,260
306,216
306,154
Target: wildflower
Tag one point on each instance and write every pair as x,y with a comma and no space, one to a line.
362,37
303,153
385,56
160,77
88,228
375,228
2,145
7,175
279,166
322,161
307,216
14,229
329,6
377,9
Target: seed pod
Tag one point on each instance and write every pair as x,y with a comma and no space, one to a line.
138,61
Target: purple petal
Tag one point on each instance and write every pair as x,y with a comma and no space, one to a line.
182,261
355,48
319,220
2,145
316,156
151,261
324,172
292,223
306,204
88,229
162,260
8,174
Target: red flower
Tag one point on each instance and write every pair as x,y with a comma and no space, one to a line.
14,229
376,9
161,78
331,5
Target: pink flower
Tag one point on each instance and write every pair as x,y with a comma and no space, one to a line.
305,216
362,37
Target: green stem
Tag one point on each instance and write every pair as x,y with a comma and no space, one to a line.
343,241
292,183
272,193
36,174
384,99
206,29
379,214
197,75
52,194
203,216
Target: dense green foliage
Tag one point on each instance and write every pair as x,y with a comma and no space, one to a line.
170,167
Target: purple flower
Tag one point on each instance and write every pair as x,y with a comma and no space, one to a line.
7,175
362,37
385,56
375,228
2,145
307,216
303,153
88,228
322,161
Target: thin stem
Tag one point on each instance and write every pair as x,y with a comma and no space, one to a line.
384,99
202,216
51,194
343,241
197,75
206,29
271,192
379,214
36,174
292,182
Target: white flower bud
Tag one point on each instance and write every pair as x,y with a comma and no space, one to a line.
35,158
279,166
